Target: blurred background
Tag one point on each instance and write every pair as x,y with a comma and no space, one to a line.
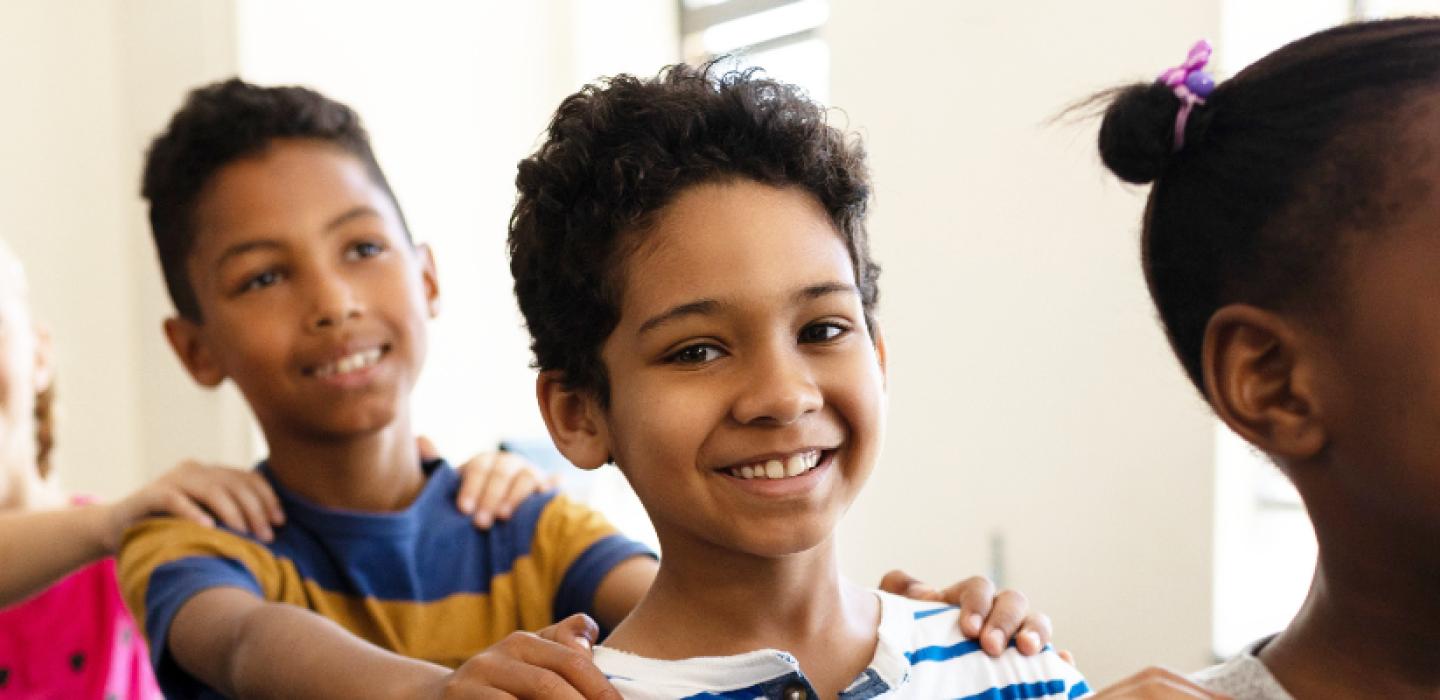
1040,432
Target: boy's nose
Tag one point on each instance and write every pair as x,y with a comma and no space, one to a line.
781,390
335,303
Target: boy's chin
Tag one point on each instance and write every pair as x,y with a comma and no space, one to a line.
779,543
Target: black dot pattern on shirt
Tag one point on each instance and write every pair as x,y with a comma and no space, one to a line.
77,661
4,677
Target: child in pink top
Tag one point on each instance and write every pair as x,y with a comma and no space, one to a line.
94,652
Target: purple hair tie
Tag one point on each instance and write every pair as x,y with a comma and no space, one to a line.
1191,84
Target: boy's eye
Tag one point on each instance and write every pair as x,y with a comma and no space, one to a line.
697,354
364,250
821,332
260,281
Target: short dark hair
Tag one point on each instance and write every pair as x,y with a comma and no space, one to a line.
619,150
219,124
1281,168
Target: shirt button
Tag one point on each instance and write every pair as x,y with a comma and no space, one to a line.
77,661
4,677
795,691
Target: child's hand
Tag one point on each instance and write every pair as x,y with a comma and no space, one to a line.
492,484
241,499
992,619
552,663
1157,684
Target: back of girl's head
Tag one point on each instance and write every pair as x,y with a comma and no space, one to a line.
219,124
618,152
1284,165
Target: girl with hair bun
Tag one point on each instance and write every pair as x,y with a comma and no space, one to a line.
1291,243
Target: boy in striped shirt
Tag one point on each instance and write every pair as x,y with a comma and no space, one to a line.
690,256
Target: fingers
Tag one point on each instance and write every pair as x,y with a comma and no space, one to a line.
1034,634
900,583
240,500
179,505
578,632
543,665
474,475
1003,622
494,484
974,596
494,497
1067,656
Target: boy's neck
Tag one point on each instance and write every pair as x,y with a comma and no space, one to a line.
708,601
1369,625
378,472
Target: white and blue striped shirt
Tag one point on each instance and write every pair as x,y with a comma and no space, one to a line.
921,654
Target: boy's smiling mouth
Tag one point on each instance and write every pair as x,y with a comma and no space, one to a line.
778,467
352,362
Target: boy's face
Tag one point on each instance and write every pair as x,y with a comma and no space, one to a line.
313,300
741,353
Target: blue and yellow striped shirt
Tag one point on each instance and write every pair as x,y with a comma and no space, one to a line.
422,582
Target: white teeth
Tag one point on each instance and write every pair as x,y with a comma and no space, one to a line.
775,469
794,465
350,363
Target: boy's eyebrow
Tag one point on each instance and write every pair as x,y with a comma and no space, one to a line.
348,215
707,307
700,307
815,291
244,247
356,212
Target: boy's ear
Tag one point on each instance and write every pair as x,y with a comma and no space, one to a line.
188,341
881,358
576,422
429,278
1260,378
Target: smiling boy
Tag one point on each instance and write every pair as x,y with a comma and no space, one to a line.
690,256
294,276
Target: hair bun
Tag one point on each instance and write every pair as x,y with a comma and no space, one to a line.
1137,136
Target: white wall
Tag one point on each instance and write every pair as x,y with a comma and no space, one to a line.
1033,398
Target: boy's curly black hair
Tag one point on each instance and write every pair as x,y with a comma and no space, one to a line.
219,124
618,151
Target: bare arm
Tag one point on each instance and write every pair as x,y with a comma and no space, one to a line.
621,589
248,648
37,548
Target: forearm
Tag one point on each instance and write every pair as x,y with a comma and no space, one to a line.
274,650
38,548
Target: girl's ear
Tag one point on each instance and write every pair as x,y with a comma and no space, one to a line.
187,339
1260,378
575,419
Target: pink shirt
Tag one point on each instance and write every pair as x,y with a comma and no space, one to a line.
74,640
